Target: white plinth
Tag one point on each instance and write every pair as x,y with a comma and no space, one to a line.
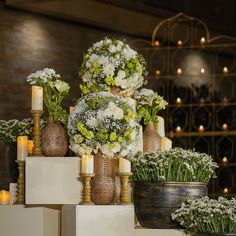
29,221
52,180
158,232
113,220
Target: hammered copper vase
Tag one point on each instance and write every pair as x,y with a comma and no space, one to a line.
151,139
54,139
106,183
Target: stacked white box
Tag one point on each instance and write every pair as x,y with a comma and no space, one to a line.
52,180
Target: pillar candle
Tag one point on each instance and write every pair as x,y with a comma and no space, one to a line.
166,144
4,197
139,143
87,164
22,147
160,126
37,98
124,166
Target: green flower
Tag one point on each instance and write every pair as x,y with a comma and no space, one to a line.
79,138
113,136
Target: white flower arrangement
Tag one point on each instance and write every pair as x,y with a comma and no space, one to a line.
149,103
175,164
54,91
112,63
103,122
207,215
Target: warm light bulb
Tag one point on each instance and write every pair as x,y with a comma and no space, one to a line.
202,71
226,190
178,129
225,70
224,126
202,40
179,71
180,43
157,43
201,128
178,100
158,72
225,159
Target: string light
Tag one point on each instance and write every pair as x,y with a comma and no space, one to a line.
202,70
225,159
180,43
202,40
179,71
178,100
157,43
225,70
178,129
201,128
226,190
158,72
224,126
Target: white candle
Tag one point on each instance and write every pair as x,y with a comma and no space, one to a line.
160,126
4,197
124,166
37,98
22,147
166,144
87,164
139,144
30,146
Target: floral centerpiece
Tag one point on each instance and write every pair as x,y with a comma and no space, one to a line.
112,63
149,103
103,122
54,91
207,216
165,179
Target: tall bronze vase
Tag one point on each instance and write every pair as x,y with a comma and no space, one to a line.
54,139
106,183
151,139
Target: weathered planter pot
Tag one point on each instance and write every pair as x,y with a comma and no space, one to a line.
215,234
155,201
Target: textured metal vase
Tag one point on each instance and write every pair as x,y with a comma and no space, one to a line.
155,201
54,139
106,183
151,139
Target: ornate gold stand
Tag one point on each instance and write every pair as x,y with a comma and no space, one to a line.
124,195
86,199
21,183
37,132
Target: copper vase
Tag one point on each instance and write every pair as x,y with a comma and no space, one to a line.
54,139
151,139
106,183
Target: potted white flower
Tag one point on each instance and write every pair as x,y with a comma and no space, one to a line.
208,217
163,180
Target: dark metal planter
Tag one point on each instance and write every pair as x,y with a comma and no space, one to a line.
155,201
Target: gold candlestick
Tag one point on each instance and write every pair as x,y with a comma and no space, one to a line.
124,195
21,183
37,132
86,199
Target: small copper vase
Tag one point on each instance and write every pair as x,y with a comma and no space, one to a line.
54,139
151,139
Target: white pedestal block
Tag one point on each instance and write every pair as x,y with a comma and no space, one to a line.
98,220
53,180
29,221
158,232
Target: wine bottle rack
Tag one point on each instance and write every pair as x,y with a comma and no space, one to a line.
196,74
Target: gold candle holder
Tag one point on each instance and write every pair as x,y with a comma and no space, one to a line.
124,195
37,132
21,183
86,198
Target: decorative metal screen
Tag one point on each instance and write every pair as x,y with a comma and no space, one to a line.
197,76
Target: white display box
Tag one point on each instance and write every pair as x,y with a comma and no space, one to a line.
115,220
52,180
29,221
158,232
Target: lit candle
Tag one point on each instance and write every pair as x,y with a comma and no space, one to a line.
225,70
178,101
87,164
160,126
37,98
179,71
124,166
166,144
225,160
226,190
4,197
224,126
202,40
22,147
178,129
201,128
180,43
30,146
158,72
202,70
71,109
